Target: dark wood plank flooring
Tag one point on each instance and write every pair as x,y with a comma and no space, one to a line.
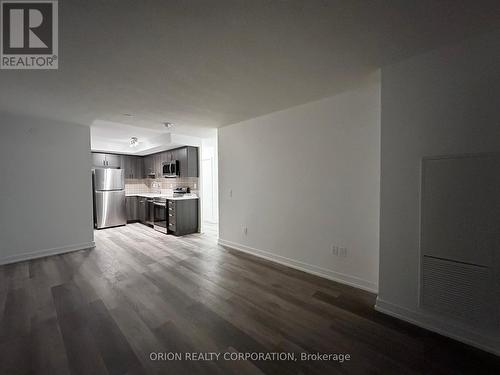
104,311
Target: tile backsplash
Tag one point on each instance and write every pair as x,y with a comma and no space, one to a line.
133,186
160,185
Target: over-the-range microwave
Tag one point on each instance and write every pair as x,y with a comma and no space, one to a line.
170,169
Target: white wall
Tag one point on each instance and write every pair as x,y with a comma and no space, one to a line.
46,188
304,179
442,102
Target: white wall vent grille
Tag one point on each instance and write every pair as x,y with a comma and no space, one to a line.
458,290
460,239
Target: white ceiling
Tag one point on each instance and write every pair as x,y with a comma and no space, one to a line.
108,136
212,63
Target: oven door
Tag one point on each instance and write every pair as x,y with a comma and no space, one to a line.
160,216
150,212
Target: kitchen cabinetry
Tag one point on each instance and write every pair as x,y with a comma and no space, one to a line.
182,216
187,157
149,168
133,166
98,160
113,161
152,165
139,167
158,164
170,155
132,209
142,210
102,160
188,161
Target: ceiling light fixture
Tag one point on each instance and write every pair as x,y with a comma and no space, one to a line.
168,125
134,142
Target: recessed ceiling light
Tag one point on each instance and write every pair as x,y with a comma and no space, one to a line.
168,125
134,142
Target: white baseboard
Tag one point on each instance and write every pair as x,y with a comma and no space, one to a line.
437,324
305,267
47,252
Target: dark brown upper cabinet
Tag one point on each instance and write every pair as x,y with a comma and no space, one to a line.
133,166
187,157
149,166
102,160
188,161
152,165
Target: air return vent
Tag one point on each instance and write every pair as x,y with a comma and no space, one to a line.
458,290
460,239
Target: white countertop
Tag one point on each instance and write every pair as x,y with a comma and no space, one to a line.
158,195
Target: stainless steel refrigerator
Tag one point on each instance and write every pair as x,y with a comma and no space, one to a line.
109,197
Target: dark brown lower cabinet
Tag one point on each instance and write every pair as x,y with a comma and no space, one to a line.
182,216
132,209
142,209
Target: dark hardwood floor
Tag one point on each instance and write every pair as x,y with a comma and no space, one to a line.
104,311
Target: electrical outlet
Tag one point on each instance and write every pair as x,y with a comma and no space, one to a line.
335,250
245,230
339,251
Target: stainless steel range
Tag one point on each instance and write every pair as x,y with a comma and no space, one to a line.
160,221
